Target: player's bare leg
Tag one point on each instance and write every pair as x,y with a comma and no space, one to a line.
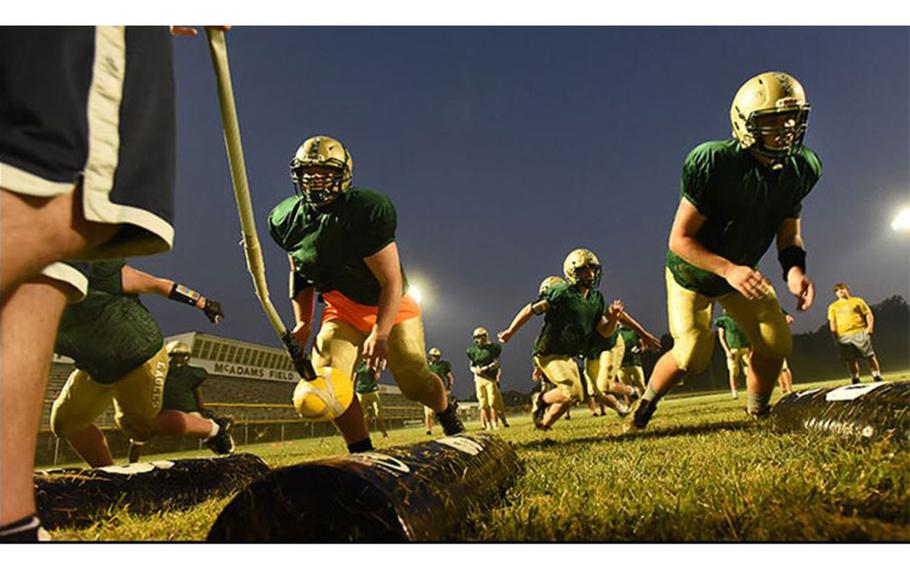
36,232
557,403
665,375
177,423
592,406
91,445
28,324
853,368
875,367
351,424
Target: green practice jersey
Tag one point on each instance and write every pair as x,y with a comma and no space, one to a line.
745,204
179,389
569,321
734,336
328,244
632,355
483,355
365,379
597,344
109,333
442,368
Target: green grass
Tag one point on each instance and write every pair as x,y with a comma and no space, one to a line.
700,472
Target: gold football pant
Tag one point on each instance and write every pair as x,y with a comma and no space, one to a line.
601,371
370,404
737,361
137,400
689,314
485,390
338,345
562,371
633,376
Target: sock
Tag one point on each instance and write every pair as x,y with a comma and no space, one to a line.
758,403
215,429
651,395
364,445
24,530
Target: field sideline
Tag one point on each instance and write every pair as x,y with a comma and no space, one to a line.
700,472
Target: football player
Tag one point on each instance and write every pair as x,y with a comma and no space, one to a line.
340,240
736,348
120,357
366,385
630,368
851,324
738,195
183,411
443,370
484,357
573,310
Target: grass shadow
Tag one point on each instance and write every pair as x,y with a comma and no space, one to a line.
684,430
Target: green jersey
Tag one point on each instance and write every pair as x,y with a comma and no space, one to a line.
597,344
365,379
180,386
328,244
734,336
745,204
109,333
483,355
570,320
442,368
632,355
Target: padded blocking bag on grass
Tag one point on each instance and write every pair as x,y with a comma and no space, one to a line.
413,493
77,497
867,411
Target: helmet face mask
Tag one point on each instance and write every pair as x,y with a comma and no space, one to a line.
481,336
435,354
321,170
178,353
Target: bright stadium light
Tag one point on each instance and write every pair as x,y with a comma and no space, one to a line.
414,292
902,221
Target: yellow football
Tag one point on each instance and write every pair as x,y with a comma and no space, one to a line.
324,398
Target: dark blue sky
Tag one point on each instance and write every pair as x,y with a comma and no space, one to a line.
505,148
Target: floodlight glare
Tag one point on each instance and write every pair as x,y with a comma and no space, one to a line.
414,292
902,220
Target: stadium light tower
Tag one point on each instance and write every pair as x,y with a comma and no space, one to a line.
901,221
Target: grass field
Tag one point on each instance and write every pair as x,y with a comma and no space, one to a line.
700,472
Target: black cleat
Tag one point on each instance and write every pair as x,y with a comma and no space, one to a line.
221,443
640,415
538,408
877,379
855,381
761,415
451,423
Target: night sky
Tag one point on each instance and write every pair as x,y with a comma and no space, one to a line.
505,148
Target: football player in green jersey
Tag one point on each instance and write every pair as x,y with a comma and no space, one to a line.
736,348
340,240
573,311
738,195
366,385
443,370
630,366
120,357
484,357
183,411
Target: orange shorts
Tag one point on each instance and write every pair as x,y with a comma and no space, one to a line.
361,317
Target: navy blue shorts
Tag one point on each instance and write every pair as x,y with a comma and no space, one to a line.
92,108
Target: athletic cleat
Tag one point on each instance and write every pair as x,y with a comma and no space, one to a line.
451,423
877,379
761,415
635,394
639,415
622,410
505,422
222,443
538,408
855,381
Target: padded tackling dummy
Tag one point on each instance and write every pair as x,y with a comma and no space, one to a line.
78,497
411,493
867,411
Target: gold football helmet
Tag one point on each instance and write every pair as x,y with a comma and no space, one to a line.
480,335
435,352
770,106
321,169
579,258
548,283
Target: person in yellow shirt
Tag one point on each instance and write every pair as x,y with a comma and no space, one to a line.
851,323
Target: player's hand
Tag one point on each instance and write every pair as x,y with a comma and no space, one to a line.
376,351
748,282
802,287
505,336
213,311
191,31
614,310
